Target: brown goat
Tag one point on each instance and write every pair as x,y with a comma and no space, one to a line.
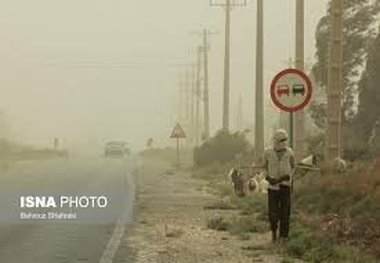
242,183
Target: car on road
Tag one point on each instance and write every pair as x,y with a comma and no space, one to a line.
117,149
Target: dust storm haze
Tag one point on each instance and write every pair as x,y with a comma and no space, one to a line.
90,70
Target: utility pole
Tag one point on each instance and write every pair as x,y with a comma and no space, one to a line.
299,120
239,119
188,107
181,99
334,85
285,116
259,120
198,96
55,143
206,120
206,102
226,83
188,98
192,102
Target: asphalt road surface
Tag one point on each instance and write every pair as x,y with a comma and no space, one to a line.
84,239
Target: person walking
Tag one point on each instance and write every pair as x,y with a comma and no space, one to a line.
279,167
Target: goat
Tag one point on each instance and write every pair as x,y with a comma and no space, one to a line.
243,184
238,180
339,165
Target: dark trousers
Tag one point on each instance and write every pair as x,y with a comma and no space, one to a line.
279,209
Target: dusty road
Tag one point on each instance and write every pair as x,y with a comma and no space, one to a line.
165,221
64,241
171,224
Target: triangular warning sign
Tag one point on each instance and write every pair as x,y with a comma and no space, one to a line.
178,132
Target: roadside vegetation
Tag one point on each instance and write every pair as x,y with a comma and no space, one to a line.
11,152
335,217
213,151
167,154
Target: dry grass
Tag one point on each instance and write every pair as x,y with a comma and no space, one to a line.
344,208
335,217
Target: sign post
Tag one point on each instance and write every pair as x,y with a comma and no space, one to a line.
291,91
177,134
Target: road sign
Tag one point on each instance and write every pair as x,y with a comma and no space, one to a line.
178,132
291,90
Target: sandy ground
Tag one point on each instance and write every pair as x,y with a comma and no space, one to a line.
171,224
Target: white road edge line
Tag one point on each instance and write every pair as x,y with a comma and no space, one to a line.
113,244
109,252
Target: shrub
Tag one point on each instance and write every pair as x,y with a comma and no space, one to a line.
218,223
222,148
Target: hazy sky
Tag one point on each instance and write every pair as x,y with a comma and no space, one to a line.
91,70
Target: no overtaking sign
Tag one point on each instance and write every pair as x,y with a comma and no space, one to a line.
291,90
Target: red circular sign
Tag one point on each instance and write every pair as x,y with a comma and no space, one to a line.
291,90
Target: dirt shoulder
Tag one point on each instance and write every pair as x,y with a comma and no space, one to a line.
171,223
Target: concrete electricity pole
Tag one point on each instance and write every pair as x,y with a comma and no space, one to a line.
284,119
181,99
188,98
299,120
187,104
205,49
192,102
334,85
226,83
206,134
198,96
239,118
188,83
259,119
